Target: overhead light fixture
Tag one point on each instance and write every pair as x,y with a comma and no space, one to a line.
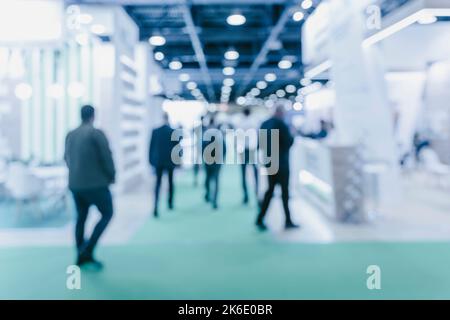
307,4
231,55
175,65
241,101
226,90
184,77
159,56
281,93
305,82
98,29
285,64
255,92
314,72
290,88
427,19
270,77
85,18
298,16
228,71
236,19
297,106
228,82
261,85
191,85
157,40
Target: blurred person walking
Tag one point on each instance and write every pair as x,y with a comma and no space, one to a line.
160,158
280,176
197,148
91,172
247,144
213,151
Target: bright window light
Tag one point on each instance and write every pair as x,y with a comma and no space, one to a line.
236,19
76,90
228,71
270,77
231,55
23,91
175,65
157,41
55,91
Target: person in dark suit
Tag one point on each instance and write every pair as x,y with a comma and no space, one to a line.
213,150
91,172
280,176
163,158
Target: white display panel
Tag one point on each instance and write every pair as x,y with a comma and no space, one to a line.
30,21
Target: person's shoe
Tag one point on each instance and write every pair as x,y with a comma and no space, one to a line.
155,214
261,226
207,198
170,206
245,201
215,206
95,264
290,226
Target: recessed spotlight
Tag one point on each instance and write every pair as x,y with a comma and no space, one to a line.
261,85
297,106
228,71
307,4
305,82
298,16
255,92
290,88
191,85
427,19
226,90
228,82
281,93
98,29
236,19
184,77
23,91
231,55
241,101
285,64
270,77
159,56
175,65
157,41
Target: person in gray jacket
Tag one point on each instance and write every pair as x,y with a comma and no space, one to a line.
91,172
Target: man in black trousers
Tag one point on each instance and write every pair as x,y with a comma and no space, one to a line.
163,158
91,172
277,149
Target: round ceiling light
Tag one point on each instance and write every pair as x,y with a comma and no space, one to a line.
236,19
159,56
157,41
228,71
228,82
184,77
261,85
270,77
175,65
285,64
231,55
298,16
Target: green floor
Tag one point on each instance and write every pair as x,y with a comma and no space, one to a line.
196,253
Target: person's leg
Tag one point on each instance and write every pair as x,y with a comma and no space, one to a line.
207,182
256,175
82,207
284,182
196,168
171,188
215,178
159,173
244,182
266,201
102,199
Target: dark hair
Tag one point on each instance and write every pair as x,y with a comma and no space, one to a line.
247,112
87,113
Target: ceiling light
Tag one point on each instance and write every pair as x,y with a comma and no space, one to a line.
228,71
226,89
270,77
196,92
184,77
228,82
297,106
291,88
241,101
236,19
305,82
307,4
98,29
191,85
157,41
281,93
255,92
231,55
261,85
85,18
175,65
427,19
298,16
159,56
285,64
